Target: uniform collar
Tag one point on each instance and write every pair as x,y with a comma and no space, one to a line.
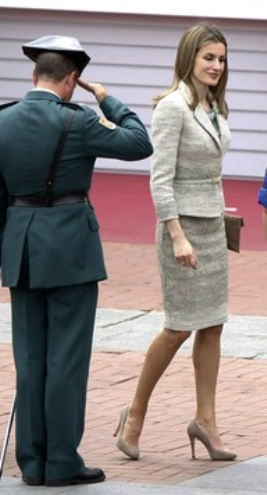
42,94
48,90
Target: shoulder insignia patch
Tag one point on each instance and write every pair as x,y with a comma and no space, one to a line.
107,123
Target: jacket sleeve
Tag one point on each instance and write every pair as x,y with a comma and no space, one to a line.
120,134
167,123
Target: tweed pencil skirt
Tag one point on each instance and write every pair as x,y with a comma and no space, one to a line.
194,299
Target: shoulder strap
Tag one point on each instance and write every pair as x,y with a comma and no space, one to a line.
56,156
10,104
71,104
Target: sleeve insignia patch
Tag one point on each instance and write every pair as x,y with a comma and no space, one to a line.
107,123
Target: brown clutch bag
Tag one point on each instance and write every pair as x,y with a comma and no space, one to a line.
233,224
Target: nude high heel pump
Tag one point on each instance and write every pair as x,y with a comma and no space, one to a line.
194,432
131,451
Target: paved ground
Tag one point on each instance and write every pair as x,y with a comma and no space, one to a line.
129,315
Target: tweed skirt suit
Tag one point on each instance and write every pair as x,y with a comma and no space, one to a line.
186,183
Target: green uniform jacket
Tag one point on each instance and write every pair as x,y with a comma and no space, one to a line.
62,241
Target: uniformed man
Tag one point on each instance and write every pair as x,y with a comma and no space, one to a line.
51,254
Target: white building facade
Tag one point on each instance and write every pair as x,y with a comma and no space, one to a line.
133,54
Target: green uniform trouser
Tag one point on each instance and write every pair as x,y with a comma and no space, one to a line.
52,340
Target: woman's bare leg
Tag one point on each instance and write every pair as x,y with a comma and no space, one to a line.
206,360
159,356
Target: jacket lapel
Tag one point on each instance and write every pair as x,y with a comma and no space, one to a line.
200,115
203,119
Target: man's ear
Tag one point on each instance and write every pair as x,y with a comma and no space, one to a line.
72,78
34,77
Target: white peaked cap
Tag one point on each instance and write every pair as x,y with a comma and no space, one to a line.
67,46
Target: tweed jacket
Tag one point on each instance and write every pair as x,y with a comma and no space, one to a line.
187,161
63,242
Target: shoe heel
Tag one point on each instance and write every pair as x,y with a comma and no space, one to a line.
115,434
192,445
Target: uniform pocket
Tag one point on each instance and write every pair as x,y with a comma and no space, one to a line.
92,220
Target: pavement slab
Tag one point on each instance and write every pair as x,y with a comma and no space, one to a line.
128,318
247,478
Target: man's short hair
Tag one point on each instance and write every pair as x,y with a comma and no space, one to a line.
54,66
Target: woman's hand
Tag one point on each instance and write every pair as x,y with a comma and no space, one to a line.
184,253
182,249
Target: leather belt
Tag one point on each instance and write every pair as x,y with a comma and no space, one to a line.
43,201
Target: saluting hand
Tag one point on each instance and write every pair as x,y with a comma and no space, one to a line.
95,88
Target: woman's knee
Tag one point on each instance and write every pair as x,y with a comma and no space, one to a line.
175,339
210,334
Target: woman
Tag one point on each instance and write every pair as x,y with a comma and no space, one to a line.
190,137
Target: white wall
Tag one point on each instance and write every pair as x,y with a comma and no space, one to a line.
240,9
134,56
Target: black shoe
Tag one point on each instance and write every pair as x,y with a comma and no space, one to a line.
86,476
28,480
